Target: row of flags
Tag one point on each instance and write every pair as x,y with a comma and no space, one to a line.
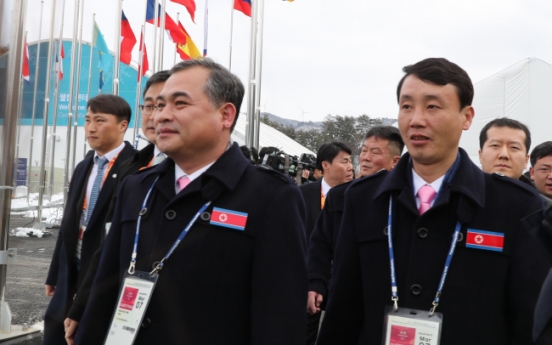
185,46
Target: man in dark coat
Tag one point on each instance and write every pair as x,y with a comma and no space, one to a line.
230,280
497,267
146,157
334,159
84,218
381,150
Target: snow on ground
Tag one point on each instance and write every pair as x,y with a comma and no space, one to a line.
50,215
28,232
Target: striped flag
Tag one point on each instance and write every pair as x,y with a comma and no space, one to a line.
59,59
26,71
128,41
190,7
243,6
189,50
143,57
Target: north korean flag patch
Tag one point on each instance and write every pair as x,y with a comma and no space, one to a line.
480,239
227,218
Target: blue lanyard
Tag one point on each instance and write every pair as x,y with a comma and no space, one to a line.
183,234
394,293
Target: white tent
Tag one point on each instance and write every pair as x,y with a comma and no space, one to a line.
269,137
519,92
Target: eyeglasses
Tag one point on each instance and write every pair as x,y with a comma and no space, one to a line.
544,170
147,109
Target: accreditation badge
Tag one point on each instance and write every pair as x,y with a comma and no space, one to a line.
411,327
131,306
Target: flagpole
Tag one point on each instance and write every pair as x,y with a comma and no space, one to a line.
139,86
45,111
257,134
206,28
252,77
29,173
90,70
71,93
176,45
117,48
155,18
76,122
231,36
56,100
20,99
162,36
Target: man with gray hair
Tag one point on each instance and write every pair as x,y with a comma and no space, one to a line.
197,253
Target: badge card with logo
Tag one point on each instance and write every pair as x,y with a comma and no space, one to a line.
411,327
131,306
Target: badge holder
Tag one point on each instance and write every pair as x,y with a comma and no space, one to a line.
411,327
132,303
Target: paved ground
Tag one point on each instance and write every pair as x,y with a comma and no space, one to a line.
26,277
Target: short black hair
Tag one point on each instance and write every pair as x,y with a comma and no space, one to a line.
157,77
110,104
221,87
328,151
440,71
390,133
267,150
505,122
250,153
541,151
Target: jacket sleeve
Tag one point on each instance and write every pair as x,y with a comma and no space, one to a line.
52,277
320,252
279,274
344,312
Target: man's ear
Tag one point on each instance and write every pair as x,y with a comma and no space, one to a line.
532,172
395,161
228,112
123,126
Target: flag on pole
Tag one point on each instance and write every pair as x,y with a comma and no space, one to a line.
59,59
26,71
170,26
190,7
205,29
128,40
243,6
187,51
104,55
143,58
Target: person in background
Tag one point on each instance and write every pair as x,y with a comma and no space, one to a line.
334,159
84,218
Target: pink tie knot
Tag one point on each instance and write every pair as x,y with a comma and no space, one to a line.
183,182
426,195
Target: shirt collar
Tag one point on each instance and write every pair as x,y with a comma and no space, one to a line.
419,182
156,151
178,172
325,187
111,154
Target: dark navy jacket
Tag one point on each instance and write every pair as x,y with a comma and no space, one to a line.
220,286
489,297
63,272
323,239
311,193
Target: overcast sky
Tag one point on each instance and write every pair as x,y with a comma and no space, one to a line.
341,57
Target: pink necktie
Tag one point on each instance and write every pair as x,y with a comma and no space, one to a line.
183,182
426,195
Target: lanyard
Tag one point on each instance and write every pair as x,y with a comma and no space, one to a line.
183,234
394,294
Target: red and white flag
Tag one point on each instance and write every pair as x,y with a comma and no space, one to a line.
143,58
26,71
228,218
59,59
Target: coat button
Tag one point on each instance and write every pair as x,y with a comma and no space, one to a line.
386,230
170,215
146,323
416,289
460,237
205,216
423,232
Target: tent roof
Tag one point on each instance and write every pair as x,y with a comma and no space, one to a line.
519,92
269,137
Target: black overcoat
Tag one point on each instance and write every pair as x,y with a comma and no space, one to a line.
220,286
489,297
311,193
63,272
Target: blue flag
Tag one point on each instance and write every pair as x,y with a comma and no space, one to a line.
105,58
